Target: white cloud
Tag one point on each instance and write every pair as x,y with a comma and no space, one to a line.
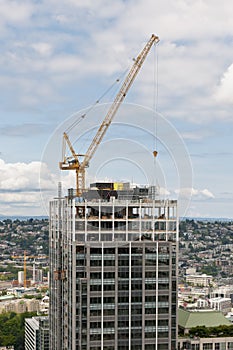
21,176
109,38
30,185
198,134
224,90
163,191
195,193
44,49
207,193
15,11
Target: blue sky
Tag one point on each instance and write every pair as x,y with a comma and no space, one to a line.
59,56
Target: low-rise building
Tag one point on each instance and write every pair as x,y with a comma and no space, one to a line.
192,319
208,318
200,280
212,343
221,304
20,305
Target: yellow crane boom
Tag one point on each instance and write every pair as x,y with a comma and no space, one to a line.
76,163
25,257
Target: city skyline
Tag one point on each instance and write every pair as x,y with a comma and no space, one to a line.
57,59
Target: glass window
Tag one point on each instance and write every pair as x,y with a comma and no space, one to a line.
95,288
207,346
149,347
109,287
123,286
95,251
80,249
96,263
123,250
123,261
150,274
136,250
162,346
109,262
108,275
162,334
95,337
95,275
109,250
109,312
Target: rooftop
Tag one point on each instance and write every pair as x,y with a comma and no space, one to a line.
191,319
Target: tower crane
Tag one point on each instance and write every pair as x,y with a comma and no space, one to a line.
25,257
79,162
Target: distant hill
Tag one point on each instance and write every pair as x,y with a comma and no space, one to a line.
21,218
208,219
40,217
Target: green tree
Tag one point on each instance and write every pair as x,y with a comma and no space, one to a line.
12,329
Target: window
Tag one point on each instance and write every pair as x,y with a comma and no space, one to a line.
109,275
95,288
109,250
95,251
109,300
95,275
136,250
123,261
123,250
80,249
162,346
163,298
150,334
109,312
123,286
123,299
150,274
96,263
109,287
109,262
207,346
150,323
95,337
95,300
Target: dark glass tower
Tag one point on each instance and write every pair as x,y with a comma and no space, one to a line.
113,266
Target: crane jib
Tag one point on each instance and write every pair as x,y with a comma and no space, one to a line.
80,166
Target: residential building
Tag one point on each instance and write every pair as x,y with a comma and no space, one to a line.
113,270
199,280
37,333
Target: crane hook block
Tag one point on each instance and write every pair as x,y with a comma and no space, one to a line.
155,153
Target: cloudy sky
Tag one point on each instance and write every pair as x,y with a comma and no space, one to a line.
58,57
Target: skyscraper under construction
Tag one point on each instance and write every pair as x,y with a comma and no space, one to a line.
113,270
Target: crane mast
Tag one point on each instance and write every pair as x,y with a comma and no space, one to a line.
76,164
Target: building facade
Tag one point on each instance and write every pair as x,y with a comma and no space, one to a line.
37,333
213,343
113,271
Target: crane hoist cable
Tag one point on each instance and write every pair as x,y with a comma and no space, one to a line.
155,105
